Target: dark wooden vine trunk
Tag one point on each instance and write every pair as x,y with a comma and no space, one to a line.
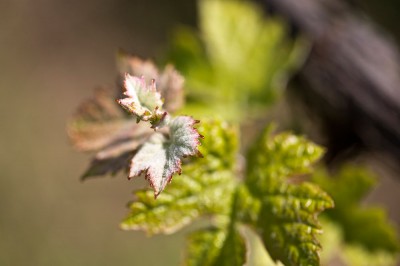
351,78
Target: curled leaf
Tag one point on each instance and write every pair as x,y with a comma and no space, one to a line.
142,100
160,157
169,83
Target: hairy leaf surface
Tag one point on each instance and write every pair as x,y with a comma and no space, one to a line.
161,156
169,83
204,188
142,99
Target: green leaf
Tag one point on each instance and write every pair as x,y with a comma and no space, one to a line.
239,58
364,226
288,222
281,156
215,246
282,209
204,188
160,157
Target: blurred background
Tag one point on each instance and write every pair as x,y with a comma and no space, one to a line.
52,54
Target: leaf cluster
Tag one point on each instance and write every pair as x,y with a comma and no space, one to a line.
283,213
100,125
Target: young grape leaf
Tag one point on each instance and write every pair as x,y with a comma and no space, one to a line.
187,198
287,208
279,157
101,126
205,187
142,100
365,226
214,246
160,157
169,83
288,222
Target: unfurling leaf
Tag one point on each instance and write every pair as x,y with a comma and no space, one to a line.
169,83
142,99
160,157
284,212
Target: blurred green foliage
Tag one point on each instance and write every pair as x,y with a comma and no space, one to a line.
365,230
238,63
